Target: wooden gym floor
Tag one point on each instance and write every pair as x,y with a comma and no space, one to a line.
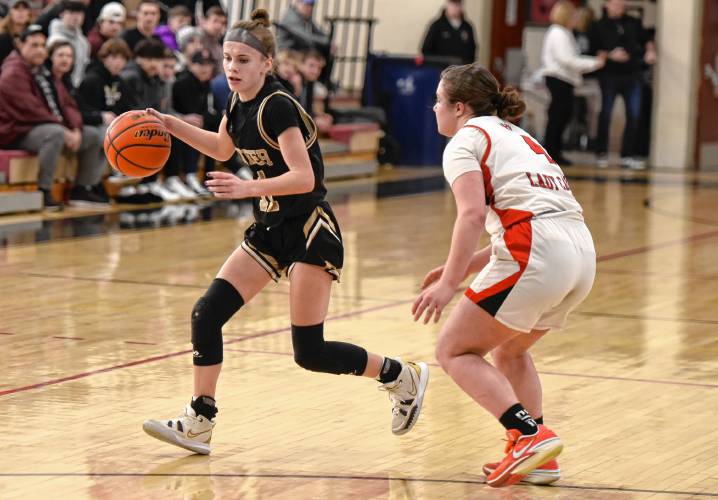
94,338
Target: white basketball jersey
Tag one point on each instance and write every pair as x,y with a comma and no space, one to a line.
521,181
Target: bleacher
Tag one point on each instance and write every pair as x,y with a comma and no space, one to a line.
350,151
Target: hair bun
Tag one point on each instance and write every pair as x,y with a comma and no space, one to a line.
509,103
261,16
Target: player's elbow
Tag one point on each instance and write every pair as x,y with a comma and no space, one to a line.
224,154
474,215
305,184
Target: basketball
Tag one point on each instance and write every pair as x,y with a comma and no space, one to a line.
137,144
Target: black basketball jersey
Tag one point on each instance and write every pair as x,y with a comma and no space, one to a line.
254,127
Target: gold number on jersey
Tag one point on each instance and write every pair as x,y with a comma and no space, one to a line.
267,203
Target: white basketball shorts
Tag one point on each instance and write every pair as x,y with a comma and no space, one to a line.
539,271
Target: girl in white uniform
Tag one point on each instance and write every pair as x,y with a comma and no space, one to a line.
539,266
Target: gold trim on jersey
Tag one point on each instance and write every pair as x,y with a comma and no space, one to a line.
308,122
267,262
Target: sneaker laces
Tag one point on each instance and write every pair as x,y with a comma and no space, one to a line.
392,389
512,438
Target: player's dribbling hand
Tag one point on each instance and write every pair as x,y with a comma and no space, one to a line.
160,116
432,300
432,276
227,186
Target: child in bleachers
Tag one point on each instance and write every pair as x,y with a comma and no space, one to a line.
101,95
288,72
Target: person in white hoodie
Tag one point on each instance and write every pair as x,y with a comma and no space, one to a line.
69,27
563,66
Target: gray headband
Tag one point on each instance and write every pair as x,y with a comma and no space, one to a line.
241,35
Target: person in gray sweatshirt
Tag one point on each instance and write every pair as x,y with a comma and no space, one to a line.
69,27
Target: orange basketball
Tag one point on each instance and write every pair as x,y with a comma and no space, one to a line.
137,144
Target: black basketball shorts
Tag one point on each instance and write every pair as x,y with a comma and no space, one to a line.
312,239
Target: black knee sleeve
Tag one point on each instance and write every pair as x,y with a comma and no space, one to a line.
210,313
313,353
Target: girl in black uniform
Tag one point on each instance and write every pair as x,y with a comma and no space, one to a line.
295,234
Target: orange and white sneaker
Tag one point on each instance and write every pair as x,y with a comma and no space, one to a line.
524,453
547,473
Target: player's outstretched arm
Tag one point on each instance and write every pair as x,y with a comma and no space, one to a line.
218,145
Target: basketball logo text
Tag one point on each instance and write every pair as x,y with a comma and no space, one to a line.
150,133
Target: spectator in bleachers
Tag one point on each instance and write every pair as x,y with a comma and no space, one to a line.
38,115
451,35
177,18
297,31
148,18
101,95
61,54
167,67
145,89
52,11
288,71
311,69
17,19
214,25
92,14
69,27
189,41
192,97
191,6
563,65
619,32
110,24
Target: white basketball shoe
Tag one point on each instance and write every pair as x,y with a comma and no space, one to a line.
189,431
406,394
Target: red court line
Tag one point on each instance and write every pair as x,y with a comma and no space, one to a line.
187,351
611,256
657,246
68,338
140,343
6,333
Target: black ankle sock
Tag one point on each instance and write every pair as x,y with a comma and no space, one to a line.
390,370
539,420
517,417
205,406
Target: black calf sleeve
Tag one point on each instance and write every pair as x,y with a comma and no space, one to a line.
210,313
313,353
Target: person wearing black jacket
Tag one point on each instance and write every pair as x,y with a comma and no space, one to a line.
451,35
622,76
101,94
148,18
144,89
192,95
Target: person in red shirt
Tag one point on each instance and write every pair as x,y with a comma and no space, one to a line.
38,114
